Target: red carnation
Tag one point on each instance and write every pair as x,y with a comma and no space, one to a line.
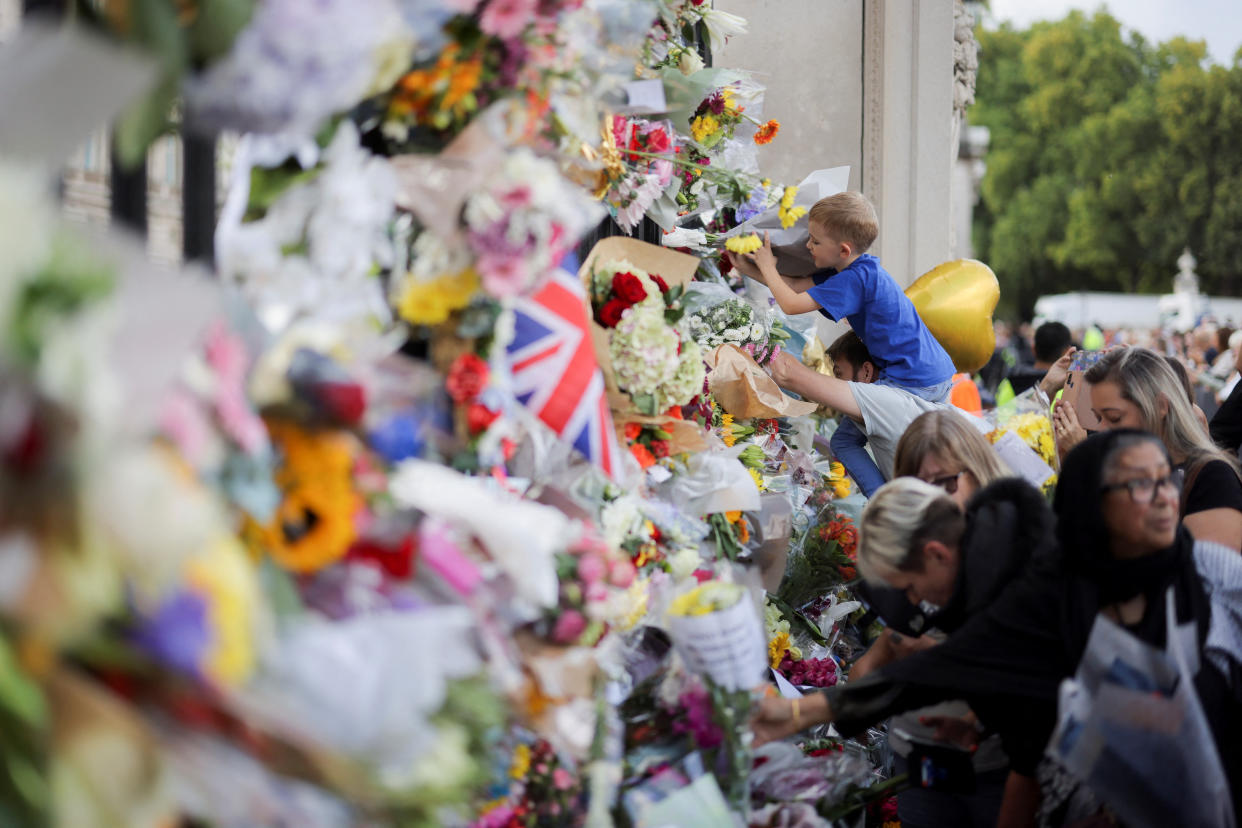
660,448
629,287
610,313
658,141
466,377
479,417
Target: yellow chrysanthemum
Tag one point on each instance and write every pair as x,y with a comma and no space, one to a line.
519,766
787,212
431,302
226,579
838,480
744,244
703,127
726,430
706,598
777,645
636,599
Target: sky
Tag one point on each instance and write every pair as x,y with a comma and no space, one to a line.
1219,22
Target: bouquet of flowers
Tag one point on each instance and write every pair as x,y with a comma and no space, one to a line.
1022,436
653,363
827,557
588,573
649,148
735,322
524,223
718,634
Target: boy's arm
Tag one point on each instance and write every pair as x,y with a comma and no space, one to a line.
814,386
791,301
798,284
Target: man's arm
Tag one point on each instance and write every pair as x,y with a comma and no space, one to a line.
812,385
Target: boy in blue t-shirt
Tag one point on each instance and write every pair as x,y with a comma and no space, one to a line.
852,286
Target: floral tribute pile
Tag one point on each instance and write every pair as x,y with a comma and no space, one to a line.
409,518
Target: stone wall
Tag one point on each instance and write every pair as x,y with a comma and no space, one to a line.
869,83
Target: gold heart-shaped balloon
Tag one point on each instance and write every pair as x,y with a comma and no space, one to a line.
955,301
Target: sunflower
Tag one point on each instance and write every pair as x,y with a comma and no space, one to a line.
314,525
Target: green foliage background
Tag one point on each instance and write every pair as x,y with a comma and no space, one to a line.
1108,156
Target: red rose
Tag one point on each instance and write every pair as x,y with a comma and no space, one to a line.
658,141
479,417
610,313
466,378
632,430
660,283
726,264
629,287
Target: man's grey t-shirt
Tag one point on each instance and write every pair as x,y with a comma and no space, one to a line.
887,412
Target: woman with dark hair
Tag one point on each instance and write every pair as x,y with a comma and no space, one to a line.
1121,551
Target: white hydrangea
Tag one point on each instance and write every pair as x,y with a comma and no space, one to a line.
644,350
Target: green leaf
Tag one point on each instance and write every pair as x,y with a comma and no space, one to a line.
645,403
216,26
19,695
143,122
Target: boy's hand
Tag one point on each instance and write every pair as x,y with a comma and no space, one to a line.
763,258
746,266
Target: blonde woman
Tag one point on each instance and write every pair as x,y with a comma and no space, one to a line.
1136,388
944,449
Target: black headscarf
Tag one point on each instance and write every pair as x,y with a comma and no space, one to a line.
1084,538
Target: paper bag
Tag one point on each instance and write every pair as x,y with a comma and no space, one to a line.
745,390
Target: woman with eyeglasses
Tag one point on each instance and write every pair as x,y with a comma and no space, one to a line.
1121,549
943,448
1136,388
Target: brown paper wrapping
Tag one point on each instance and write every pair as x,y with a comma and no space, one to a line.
673,267
745,390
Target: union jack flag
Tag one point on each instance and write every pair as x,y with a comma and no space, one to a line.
555,375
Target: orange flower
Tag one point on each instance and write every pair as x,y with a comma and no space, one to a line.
643,455
767,132
632,430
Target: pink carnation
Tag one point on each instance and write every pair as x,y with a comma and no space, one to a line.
569,627
621,573
591,568
507,18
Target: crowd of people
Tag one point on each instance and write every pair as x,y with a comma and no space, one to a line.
992,597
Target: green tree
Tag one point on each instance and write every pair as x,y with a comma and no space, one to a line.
1108,155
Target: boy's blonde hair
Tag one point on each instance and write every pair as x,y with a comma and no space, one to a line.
847,217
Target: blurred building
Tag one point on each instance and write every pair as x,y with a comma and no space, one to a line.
86,176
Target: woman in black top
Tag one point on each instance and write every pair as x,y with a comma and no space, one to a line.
1136,388
1121,550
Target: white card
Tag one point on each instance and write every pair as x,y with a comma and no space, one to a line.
646,95
1022,459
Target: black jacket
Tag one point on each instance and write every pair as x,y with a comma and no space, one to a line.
1009,546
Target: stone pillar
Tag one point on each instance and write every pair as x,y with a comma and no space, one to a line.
908,126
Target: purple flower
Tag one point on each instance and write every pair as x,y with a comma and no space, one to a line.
177,633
